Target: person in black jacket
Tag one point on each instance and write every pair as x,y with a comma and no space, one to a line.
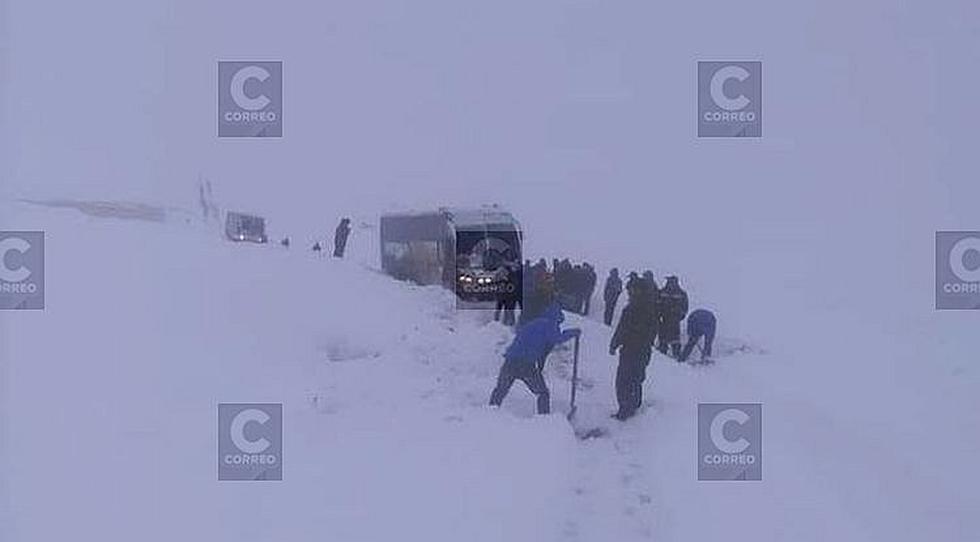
507,300
340,238
564,284
614,287
673,309
655,299
633,340
588,287
539,293
655,290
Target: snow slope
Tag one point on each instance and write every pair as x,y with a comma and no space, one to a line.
110,397
814,243
111,419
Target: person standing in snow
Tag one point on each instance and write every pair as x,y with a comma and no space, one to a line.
633,341
518,272
531,345
576,288
655,297
563,284
655,290
673,309
512,272
611,293
340,238
590,283
701,323
539,293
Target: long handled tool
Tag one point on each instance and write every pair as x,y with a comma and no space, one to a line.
571,411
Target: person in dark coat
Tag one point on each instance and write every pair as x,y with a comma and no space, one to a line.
654,298
633,340
648,276
524,271
614,287
673,309
316,247
521,360
508,300
576,289
590,283
701,323
564,289
539,293
340,237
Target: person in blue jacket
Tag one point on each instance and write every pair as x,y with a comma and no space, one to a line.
700,323
531,345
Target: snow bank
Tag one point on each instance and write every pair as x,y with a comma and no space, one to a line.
111,396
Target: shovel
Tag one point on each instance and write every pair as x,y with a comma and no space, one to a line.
571,412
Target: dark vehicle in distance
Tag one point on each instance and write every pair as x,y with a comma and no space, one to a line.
243,227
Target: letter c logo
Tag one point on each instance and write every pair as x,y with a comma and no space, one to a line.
718,431
718,91
238,88
238,431
6,246
956,255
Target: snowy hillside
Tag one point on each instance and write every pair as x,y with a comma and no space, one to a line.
814,244
110,420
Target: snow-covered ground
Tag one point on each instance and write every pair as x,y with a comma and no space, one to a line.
111,393
814,244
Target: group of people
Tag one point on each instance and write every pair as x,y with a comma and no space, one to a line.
569,285
669,306
650,319
574,285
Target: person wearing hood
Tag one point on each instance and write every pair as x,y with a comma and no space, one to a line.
673,309
521,360
633,341
340,238
611,293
